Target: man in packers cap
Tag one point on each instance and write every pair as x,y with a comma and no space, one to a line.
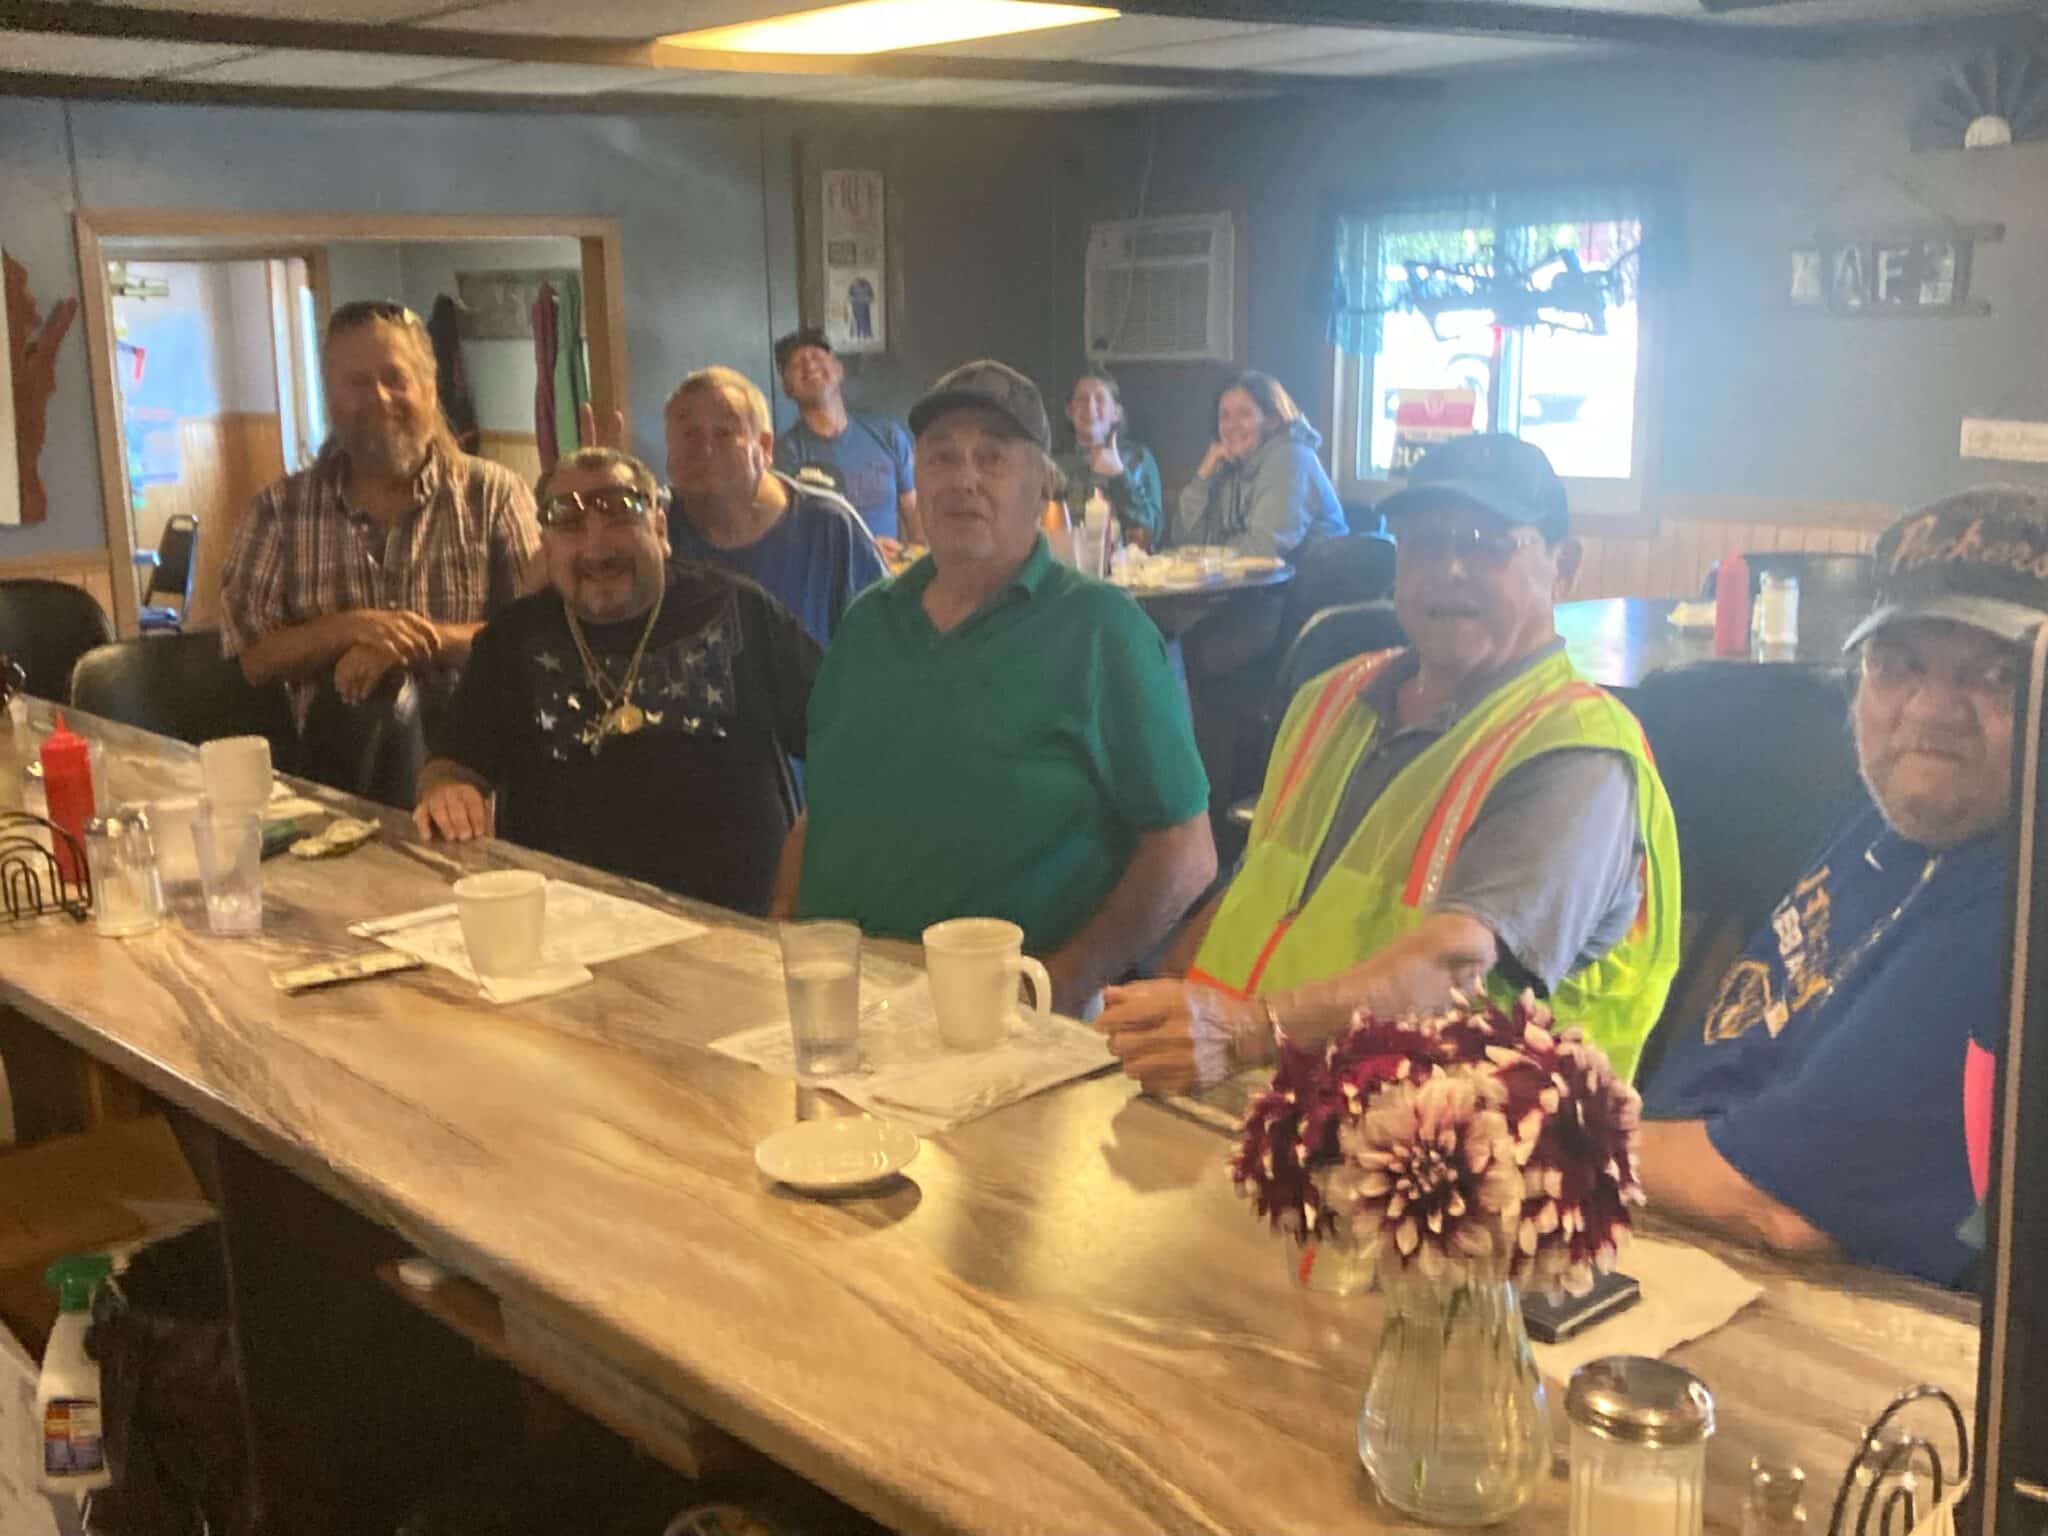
1836,1097
1466,812
994,734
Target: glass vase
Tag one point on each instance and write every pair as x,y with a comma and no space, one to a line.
1332,1266
1453,1429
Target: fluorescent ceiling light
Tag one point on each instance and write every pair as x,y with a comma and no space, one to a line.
882,26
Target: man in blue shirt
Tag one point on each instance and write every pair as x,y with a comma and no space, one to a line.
805,545
1836,1097
867,458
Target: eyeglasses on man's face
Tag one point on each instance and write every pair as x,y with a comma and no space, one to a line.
618,506
1899,664
1469,543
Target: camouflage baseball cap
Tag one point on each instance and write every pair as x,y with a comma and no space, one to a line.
992,386
1979,557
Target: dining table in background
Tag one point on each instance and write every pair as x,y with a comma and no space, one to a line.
1062,1318
1618,641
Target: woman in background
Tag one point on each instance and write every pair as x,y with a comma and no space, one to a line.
1260,489
1104,459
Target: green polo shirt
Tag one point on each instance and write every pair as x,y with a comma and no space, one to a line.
1002,769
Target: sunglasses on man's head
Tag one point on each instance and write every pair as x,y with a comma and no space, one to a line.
616,506
1474,545
356,311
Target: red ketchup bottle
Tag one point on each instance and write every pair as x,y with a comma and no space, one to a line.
67,787
1731,608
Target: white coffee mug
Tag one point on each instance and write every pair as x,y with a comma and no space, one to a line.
974,963
237,771
504,916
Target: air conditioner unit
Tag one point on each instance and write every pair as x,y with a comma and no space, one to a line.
1162,290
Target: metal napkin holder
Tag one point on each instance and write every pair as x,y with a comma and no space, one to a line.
1892,1466
31,884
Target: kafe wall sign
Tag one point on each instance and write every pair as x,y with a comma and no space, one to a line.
1900,270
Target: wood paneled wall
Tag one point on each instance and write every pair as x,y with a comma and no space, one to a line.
517,451
1691,536
226,460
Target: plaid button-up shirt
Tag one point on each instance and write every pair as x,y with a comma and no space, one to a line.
457,557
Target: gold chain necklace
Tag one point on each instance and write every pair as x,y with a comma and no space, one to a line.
621,716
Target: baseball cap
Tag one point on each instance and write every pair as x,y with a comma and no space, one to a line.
1979,557
788,346
993,386
1498,474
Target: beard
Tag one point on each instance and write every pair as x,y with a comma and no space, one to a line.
1934,817
386,445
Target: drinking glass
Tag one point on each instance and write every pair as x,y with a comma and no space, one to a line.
229,842
821,970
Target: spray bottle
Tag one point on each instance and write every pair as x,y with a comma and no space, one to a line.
68,1403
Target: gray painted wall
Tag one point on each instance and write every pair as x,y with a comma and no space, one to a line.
707,203
1760,399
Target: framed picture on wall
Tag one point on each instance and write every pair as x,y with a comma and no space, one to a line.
856,264
498,306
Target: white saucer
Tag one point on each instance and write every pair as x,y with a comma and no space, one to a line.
840,1153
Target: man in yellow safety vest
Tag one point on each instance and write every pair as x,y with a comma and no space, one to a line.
1466,812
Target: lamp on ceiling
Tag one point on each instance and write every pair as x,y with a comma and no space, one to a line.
885,26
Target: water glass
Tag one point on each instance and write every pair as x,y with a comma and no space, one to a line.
821,971
229,842
127,891
237,771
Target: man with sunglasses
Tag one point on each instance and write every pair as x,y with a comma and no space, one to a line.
1836,1097
638,716
1465,812
392,548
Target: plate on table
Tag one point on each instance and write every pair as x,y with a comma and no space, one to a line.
836,1154
1255,565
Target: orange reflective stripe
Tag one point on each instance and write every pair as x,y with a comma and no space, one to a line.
1202,978
1251,982
1350,681
1467,791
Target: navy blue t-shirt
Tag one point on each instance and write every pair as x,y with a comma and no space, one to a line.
1830,1070
814,560
870,461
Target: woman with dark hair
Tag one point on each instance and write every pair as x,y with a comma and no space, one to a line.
1260,489
1104,459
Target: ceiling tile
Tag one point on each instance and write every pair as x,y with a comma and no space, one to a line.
1064,97
106,58
616,18
1266,48
319,68
535,79
297,10
740,83
1406,52
1098,39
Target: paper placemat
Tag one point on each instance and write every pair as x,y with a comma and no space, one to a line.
909,1076
584,928
1687,1294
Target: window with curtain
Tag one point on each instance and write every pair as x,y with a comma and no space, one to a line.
1520,311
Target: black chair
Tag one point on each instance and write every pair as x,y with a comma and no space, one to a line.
170,573
1761,771
180,685
47,626
1331,636
374,749
1334,571
1363,517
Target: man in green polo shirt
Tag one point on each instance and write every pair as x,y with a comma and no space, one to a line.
993,734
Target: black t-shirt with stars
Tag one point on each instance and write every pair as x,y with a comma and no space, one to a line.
697,799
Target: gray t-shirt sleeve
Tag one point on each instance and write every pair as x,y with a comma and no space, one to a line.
1552,863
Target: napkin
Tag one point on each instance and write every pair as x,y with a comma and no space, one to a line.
545,982
1687,1294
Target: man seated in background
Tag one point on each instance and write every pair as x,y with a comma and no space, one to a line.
1836,1098
1463,813
389,551
633,718
806,546
867,457
994,734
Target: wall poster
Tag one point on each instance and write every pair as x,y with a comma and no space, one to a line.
856,262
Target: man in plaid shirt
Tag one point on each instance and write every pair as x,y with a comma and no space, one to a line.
392,549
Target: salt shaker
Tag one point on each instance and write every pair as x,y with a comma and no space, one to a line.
1639,1431
127,890
1777,613
1776,1504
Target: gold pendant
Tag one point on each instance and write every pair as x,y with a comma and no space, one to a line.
628,718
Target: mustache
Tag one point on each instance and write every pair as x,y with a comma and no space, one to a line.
604,565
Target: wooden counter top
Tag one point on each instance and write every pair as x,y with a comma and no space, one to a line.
1063,1320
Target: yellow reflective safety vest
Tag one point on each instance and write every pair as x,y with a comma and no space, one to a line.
1385,882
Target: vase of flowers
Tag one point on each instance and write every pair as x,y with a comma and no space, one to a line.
1462,1157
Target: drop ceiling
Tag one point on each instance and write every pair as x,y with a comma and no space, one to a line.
508,51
